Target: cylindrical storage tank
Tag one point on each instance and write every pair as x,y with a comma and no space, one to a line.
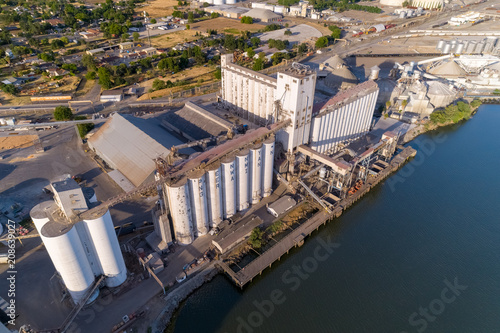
39,216
269,7
402,15
258,5
180,210
256,160
101,231
471,47
69,258
209,1
322,173
228,171
446,48
479,47
279,9
197,193
214,194
440,45
219,2
267,177
243,177
374,72
3,121
460,48
230,2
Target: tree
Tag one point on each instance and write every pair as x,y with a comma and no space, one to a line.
91,75
246,20
190,17
89,62
302,49
218,74
250,53
255,41
336,31
65,40
321,42
188,27
62,112
136,36
125,37
153,21
178,14
84,128
255,239
159,84
214,15
9,89
258,65
105,78
287,32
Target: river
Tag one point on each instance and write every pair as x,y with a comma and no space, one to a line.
420,253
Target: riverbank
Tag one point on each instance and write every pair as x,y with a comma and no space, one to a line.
431,125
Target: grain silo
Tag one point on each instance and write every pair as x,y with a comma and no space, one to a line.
229,185
198,196
243,179
267,177
180,210
256,173
214,194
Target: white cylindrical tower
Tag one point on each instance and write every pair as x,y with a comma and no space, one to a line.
267,177
197,193
214,195
69,259
256,173
229,186
101,232
242,175
180,210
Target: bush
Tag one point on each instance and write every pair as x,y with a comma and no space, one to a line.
246,20
84,128
62,113
272,27
321,42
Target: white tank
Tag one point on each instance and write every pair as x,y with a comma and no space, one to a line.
402,15
447,48
209,1
229,186
267,178
471,47
180,210
440,45
269,7
374,72
214,195
258,5
230,2
197,192
322,173
479,47
69,259
243,177
460,48
256,160
219,2
109,255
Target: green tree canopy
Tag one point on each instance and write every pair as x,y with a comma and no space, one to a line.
62,112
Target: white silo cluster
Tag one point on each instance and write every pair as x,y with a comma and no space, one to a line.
485,46
206,197
79,250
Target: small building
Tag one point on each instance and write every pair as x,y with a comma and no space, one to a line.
134,29
281,206
150,51
57,72
54,22
95,51
126,45
111,96
237,233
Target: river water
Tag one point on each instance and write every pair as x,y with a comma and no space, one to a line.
420,253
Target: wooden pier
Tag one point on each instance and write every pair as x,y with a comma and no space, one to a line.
297,236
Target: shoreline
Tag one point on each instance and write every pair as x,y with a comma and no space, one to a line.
171,310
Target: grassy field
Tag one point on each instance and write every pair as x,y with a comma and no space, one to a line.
84,87
18,141
174,38
228,25
159,8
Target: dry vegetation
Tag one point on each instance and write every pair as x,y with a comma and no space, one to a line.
220,24
159,8
18,141
299,20
174,38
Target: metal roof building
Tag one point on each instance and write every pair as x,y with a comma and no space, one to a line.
130,145
195,123
281,206
264,15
